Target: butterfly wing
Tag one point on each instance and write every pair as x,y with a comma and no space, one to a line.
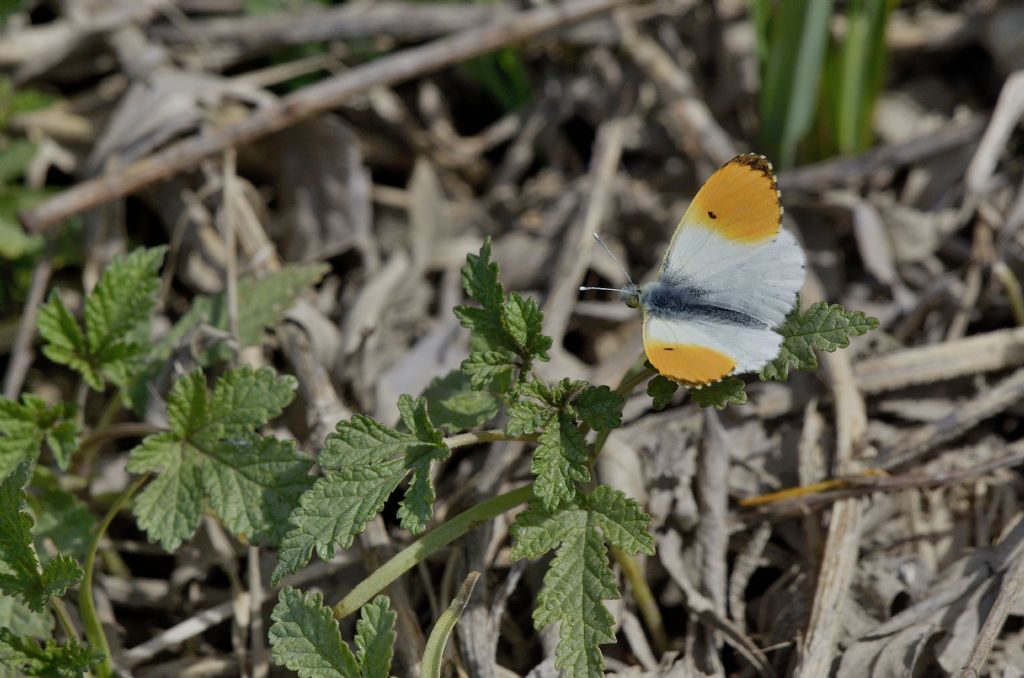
730,247
738,272
703,350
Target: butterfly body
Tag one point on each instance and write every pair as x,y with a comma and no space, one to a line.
729,277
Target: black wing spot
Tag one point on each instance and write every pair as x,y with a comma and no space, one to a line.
667,348
712,214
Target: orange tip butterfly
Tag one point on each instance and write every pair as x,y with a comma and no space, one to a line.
729,278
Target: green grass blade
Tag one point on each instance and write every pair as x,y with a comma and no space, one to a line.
861,73
433,652
791,75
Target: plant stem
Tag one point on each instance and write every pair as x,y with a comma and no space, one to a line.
64,618
645,601
632,379
86,605
426,545
472,438
115,431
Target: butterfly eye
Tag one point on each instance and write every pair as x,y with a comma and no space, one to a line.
633,301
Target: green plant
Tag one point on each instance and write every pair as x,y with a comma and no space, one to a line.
818,92
364,462
212,457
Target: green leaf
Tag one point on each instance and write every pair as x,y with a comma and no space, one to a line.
415,417
19,618
821,326
559,462
123,299
661,389
480,279
262,303
579,578
65,343
116,315
486,367
15,158
365,462
522,319
724,392
305,638
375,638
26,655
456,406
600,407
213,454
526,417
25,426
19,565
60,517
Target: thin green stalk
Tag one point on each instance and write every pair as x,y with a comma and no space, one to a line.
476,437
433,651
632,379
644,598
86,605
427,545
64,618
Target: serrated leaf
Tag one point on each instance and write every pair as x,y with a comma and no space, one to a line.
621,519
61,517
486,367
262,303
562,392
19,565
522,319
486,330
71,659
417,506
245,398
123,298
559,462
661,389
25,426
375,638
480,278
116,313
600,407
23,621
456,406
727,391
527,417
821,326
332,512
365,462
305,638
579,578
213,454
417,420
65,342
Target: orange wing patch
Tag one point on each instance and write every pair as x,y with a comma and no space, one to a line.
740,202
689,363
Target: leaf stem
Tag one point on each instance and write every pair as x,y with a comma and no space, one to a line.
426,545
474,437
86,604
433,652
115,431
62,616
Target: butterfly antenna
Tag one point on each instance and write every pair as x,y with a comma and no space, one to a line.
601,289
621,267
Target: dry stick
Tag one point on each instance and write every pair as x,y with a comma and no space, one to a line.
578,242
842,544
988,403
308,102
21,352
1013,583
859,486
843,170
712,531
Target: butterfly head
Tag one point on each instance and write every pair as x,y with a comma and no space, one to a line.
630,294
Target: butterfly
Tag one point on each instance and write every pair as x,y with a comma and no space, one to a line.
729,278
